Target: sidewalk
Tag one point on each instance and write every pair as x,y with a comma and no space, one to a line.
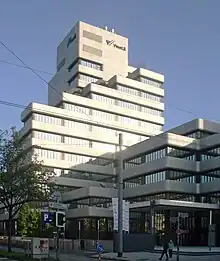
85,256
192,251
74,256
145,256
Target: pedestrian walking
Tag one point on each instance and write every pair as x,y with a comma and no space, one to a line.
82,244
171,247
165,248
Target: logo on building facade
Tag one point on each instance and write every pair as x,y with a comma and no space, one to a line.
112,42
70,40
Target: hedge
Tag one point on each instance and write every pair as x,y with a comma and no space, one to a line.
21,256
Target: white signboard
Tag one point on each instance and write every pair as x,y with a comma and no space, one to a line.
40,247
125,215
183,215
58,206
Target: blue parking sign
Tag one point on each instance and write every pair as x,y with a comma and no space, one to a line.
47,217
99,248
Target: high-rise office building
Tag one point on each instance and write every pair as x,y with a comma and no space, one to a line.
94,95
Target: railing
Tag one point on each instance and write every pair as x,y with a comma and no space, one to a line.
65,245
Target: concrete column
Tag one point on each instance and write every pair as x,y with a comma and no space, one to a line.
152,220
167,229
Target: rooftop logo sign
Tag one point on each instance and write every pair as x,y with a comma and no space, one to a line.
70,40
112,43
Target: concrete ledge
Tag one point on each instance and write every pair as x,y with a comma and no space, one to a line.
113,257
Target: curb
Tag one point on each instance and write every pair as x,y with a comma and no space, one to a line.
113,258
214,253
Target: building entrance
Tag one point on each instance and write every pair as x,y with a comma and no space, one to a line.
199,223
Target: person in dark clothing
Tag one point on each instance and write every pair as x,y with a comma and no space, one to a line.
165,249
82,244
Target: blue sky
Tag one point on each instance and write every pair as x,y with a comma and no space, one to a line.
178,38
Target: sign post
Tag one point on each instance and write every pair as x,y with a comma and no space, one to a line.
99,250
79,224
180,215
210,227
98,228
120,198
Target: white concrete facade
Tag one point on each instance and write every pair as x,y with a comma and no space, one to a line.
183,161
93,96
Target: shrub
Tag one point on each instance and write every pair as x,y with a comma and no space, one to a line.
22,256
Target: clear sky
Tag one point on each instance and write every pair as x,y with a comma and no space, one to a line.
178,38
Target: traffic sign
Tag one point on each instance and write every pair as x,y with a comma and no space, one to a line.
60,219
99,248
47,216
55,205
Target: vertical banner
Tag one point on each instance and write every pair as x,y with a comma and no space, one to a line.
125,216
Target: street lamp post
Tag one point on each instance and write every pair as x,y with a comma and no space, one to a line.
120,197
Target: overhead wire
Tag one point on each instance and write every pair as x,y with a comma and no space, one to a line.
53,114
22,66
35,71
48,83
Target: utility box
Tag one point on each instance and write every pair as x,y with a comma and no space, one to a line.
40,247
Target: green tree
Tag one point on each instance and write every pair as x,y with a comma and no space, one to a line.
22,177
29,221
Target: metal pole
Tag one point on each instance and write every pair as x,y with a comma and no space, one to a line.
210,225
178,238
79,234
120,197
98,229
57,245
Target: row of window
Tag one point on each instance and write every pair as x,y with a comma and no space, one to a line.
151,111
83,77
127,105
135,92
147,126
151,156
166,195
85,63
211,154
90,64
97,202
79,175
178,175
77,143
47,136
76,108
150,82
170,174
129,138
179,153
205,179
198,134
161,176
150,127
55,155
103,99
87,78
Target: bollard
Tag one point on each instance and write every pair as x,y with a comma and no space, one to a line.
100,258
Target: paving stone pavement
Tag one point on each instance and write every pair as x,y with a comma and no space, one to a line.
145,256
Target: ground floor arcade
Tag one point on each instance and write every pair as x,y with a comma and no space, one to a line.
157,217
